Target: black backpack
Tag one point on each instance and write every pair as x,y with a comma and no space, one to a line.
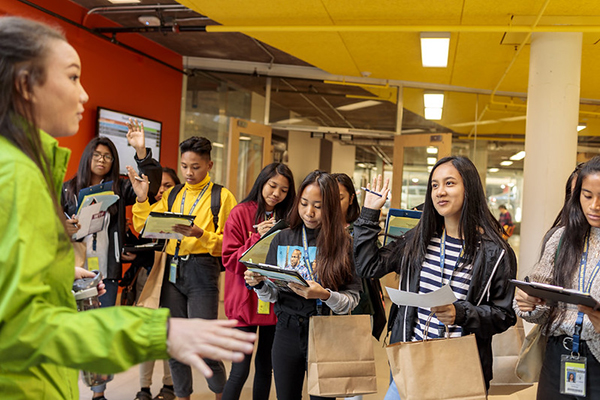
215,206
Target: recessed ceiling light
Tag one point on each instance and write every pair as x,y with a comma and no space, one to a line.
492,170
506,163
289,121
581,126
519,156
360,104
435,47
219,145
432,150
125,1
431,160
433,100
415,180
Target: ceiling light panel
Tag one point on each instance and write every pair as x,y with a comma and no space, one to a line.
435,100
434,49
433,114
506,163
125,1
519,156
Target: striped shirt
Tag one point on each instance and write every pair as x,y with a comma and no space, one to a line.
431,279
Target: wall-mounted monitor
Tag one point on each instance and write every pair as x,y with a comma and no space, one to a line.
113,125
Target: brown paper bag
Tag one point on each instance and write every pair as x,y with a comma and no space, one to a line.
531,356
341,361
80,250
441,369
150,296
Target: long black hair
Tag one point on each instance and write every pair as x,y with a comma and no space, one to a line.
561,217
282,208
476,219
334,265
353,207
24,46
573,238
83,177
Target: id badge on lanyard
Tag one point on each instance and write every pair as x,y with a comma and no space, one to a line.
573,367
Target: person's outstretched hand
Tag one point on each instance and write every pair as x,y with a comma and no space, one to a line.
374,201
191,340
136,138
139,187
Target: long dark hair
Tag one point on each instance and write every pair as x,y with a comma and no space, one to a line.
476,219
334,266
572,241
561,217
353,208
282,208
23,52
171,172
83,177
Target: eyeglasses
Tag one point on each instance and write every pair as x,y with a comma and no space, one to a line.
107,157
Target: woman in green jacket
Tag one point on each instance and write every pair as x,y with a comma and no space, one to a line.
43,340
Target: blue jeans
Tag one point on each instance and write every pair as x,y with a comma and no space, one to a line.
108,299
392,393
194,295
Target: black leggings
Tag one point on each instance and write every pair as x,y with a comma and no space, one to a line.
262,367
549,385
290,355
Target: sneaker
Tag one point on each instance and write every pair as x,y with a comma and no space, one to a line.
141,395
165,394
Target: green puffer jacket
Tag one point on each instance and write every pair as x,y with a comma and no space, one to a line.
43,339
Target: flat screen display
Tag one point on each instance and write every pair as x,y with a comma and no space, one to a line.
113,125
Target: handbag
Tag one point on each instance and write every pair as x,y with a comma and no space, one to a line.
531,356
441,369
341,360
150,296
128,293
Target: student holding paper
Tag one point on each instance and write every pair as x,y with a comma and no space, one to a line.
317,230
571,259
43,339
269,200
191,281
458,242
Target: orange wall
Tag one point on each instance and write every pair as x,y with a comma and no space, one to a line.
115,77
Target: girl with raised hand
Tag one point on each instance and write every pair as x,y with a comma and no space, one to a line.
317,231
458,242
571,259
43,339
269,200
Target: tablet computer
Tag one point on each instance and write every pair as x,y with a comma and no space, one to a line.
553,294
279,276
398,222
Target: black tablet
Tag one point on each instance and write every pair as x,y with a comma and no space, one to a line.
553,294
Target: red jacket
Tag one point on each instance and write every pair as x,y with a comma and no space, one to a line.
238,236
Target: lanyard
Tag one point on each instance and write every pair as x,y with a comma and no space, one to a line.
443,257
306,255
309,266
190,213
585,289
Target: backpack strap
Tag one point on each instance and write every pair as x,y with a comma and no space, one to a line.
215,203
173,195
215,200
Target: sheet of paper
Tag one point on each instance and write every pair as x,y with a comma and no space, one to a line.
162,228
440,297
91,220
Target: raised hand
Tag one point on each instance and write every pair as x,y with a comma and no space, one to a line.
374,201
140,184
136,138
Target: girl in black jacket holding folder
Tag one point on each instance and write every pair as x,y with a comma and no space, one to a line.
317,231
458,231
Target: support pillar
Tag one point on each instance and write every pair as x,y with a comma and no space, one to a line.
551,135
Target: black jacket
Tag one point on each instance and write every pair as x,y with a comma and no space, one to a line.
117,227
487,309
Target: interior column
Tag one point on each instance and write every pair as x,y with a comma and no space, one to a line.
551,135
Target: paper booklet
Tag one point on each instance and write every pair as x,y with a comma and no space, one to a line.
96,190
91,213
258,252
277,276
160,225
